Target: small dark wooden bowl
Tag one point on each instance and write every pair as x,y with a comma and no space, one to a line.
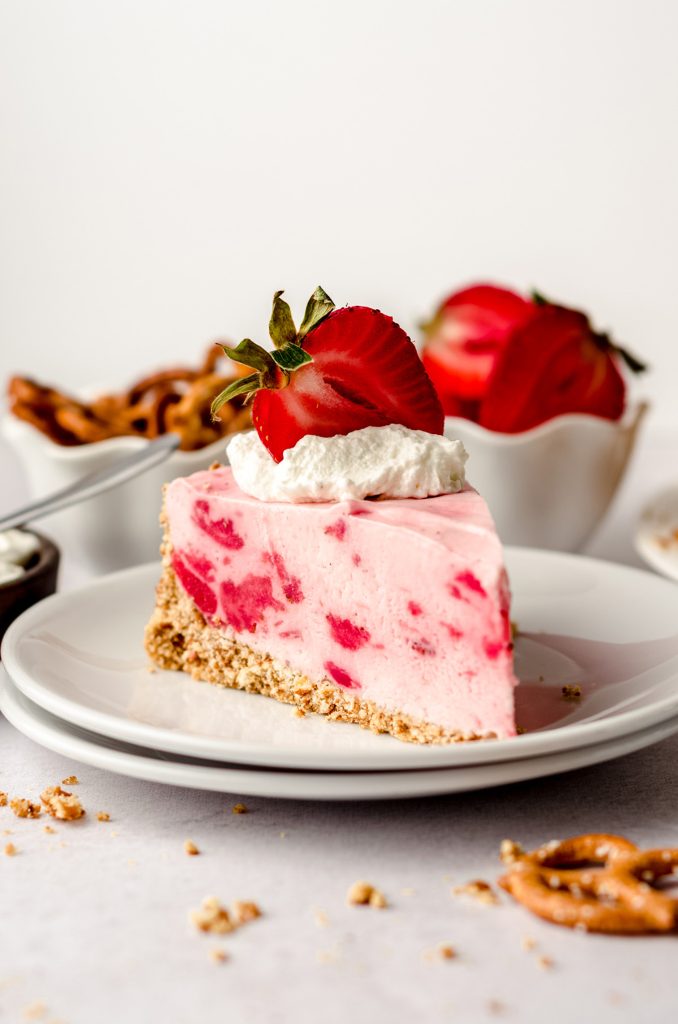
38,581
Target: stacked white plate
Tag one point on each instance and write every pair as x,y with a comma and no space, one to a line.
78,681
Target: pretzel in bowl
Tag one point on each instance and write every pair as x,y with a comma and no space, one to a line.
596,883
176,399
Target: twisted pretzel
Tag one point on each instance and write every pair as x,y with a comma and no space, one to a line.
597,883
176,399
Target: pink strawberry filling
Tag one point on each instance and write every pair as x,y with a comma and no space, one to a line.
409,609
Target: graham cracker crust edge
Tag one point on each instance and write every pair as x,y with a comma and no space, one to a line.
177,637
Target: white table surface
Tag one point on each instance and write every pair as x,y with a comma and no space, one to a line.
94,918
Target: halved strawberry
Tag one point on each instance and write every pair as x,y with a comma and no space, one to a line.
464,339
343,370
552,365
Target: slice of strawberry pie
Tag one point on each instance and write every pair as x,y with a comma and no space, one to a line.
341,563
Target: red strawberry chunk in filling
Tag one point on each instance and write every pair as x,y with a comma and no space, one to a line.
471,582
337,529
291,584
414,608
245,604
347,634
220,530
341,676
494,648
200,564
203,595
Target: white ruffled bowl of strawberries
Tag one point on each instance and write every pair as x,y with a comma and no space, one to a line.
540,400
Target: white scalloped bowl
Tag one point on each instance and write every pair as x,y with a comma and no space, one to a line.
551,486
119,528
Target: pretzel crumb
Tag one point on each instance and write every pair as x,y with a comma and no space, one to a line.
3,799
190,848
239,809
103,816
10,850
362,894
244,911
212,917
478,890
72,780
215,918
49,830
510,851
527,943
299,713
571,692
496,1007
34,1011
327,956
62,805
447,952
218,956
545,962
23,808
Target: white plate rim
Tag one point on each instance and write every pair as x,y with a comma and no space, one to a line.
55,734
559,738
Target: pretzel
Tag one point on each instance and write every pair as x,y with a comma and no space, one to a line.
597,883
175,399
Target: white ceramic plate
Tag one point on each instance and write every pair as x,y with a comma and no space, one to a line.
611,629
154,766
657,533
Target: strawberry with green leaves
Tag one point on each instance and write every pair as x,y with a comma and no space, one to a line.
511,363
342,370
555,364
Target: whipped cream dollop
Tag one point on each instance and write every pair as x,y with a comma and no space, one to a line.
16,549
390,461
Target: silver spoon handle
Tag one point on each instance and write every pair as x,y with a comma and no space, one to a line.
95,483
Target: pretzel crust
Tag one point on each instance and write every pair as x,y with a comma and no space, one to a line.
596,883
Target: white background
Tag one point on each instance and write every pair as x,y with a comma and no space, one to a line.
165,167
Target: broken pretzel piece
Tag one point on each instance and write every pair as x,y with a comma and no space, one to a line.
596,883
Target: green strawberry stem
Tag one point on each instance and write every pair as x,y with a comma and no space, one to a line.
273,369
281,325
603,341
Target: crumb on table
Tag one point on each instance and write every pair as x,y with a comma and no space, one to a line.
62,805
25,808
103,816
10,850
71,780
479,890
244,911
239,809
212,917
363,894
3,799
190,848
